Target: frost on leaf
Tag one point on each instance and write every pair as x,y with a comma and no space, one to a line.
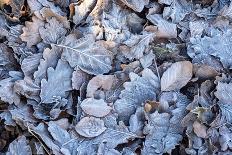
7,93
94,107
60,77
52,31
20,147
177,10
50,59
138,44
90,127
224,94
30,64
218,44
176,76
164,28
136,92
78,78
86,54
31,31
82,10
136,5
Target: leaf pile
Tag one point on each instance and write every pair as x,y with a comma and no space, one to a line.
115,77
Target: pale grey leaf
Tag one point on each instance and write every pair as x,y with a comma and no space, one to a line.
136,5
30,64
86,54
224,92
78,78
7,93
82,11
27,88
138,45
136,122
226,111
40,131
136,92
50,59
227,11
177,10
60,78
147,60
94,107
165,29
52,31
19,147
225,138
176,76
90,127
217,44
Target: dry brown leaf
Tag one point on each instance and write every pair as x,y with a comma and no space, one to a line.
176,76
94,107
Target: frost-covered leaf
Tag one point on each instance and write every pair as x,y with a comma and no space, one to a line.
225,138
50,59
136,5
7,93
138,45
136,92
52,31
224,95
31,31
86,54
83,10
90,127
40,131
78,78
137,122
165,29
218,44
19,147
164,130
60,77
27,88
94,107
177,10
30,64
176,76
6,57
227,11
224,92
147,60
63,138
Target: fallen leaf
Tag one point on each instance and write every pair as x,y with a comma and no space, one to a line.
90,127
177,76
97,108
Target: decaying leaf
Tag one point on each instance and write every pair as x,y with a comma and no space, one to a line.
59,77
86,54
90,127
97,108
31,31
176,76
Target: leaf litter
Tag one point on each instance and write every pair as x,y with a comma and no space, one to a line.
121,77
